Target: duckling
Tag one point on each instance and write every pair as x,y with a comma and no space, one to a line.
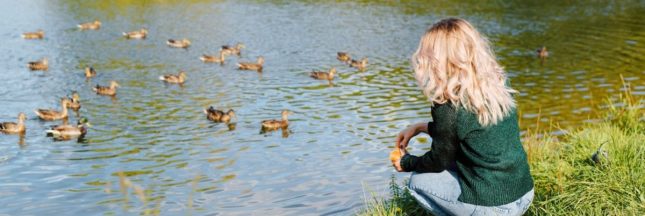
219,115
542,52
106,90
50,114
321,75
42,64
276,124
358,64
600,157
343,57
40,34
183,43
66,131
139,34
12,127
90,72
233,50
171,78
73,102
212,59
252,66
90,25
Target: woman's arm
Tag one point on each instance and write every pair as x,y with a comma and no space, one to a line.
404,136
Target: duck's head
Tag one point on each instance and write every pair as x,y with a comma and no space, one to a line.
231,113
114,84
286,113
240,45
332,71
182,74
76,96
40,31
97,22
261,60
45,61
83,122
364,61
186,41
22,117
144,30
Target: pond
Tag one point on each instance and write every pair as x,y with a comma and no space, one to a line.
335,150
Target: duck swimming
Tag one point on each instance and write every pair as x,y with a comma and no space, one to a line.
213,59
322,75
106,90
12,127
42,64
139,34
66,131
183,43
73,102
51,114
172,78
252,66
219,115
233,50
542,52
90,72
276,124
90,25
40,34
360,65
343,57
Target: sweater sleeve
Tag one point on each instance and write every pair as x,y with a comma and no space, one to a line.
444,143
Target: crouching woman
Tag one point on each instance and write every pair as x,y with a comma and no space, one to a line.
477,165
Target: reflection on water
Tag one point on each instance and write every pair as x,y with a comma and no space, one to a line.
157,136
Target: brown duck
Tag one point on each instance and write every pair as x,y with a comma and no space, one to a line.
12,127
66,131
73,102
219,115
252,66
40,34
343,57
106,90
322,75
139,34
213,59
542,52
276,124
42,64
233,50
90,72
51,114
359,64
172,78
90,25
183,43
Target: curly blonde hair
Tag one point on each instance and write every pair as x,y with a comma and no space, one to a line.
455,63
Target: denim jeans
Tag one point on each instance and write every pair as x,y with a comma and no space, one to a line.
438,193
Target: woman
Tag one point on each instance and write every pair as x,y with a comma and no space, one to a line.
477,165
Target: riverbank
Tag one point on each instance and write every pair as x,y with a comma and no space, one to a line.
567,180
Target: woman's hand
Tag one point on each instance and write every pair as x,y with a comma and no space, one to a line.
404,136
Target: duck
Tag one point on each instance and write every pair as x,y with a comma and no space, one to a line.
73,102
252,66
139,34
172,78
106,90
12,127
219,115
183,43
322,75
542,52
274,124
40,34
42,64
343,57
233,50
50,114
90,25
213,59
90,72
67,131
359,64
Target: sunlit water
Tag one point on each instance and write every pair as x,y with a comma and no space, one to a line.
336,148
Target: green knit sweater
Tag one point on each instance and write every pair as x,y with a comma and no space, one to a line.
490,161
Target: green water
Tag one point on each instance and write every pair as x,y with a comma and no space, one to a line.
336,147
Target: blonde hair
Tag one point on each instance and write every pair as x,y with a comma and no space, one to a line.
455,63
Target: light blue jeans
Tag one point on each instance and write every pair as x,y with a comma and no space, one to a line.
438,193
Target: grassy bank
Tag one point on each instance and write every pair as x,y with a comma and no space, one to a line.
567,180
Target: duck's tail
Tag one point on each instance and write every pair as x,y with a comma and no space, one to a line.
162,78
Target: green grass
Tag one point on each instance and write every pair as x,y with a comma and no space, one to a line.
567,180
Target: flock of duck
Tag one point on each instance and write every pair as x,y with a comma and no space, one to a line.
65,131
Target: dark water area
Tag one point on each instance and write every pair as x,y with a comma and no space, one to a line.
335,150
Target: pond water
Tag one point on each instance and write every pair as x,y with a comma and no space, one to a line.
335,150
